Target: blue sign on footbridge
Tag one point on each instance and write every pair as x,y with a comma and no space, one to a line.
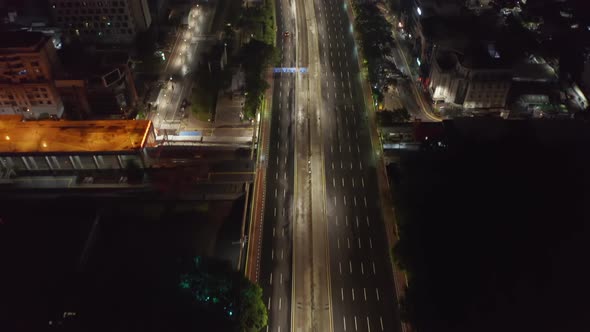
292,70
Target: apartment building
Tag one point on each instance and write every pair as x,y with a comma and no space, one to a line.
28,64
104,21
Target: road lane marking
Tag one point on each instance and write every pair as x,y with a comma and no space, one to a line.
348,241
349,147
271,278
361,165
355,326
352,289
342,293
338,241
344,199
354,200
365,199
381,321
283,212
368,224
273,232
268,305
275,192
272,254
276,175
275,212
332,165
335,201
343,182
363,181
377,291
353,182
365,293
341,165
351,165
344,320
280,302
285,194
281,278
358,149
346,219
370,243
362,266
374,270
340,267
368,325
350,266
357,221
282,252
359,240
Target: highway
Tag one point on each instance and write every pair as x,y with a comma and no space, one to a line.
324,245
362,290
275,262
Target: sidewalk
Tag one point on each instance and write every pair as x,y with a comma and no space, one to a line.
252,264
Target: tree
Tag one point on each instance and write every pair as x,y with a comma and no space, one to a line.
224,293
253,315
400,115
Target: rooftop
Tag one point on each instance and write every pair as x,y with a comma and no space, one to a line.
17,136
20,40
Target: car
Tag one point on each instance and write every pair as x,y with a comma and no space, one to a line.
286,34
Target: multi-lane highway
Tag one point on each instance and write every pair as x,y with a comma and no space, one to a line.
324,247
362,291
275,263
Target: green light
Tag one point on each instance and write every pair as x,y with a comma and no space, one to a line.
231,313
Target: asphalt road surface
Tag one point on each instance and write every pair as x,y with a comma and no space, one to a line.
362,289
275,264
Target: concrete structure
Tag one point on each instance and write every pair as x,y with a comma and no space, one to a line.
69,146
104,21
98,86
470,80
28,64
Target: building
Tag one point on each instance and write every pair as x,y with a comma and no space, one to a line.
472,80
28,64
104,21
67,146
98,86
